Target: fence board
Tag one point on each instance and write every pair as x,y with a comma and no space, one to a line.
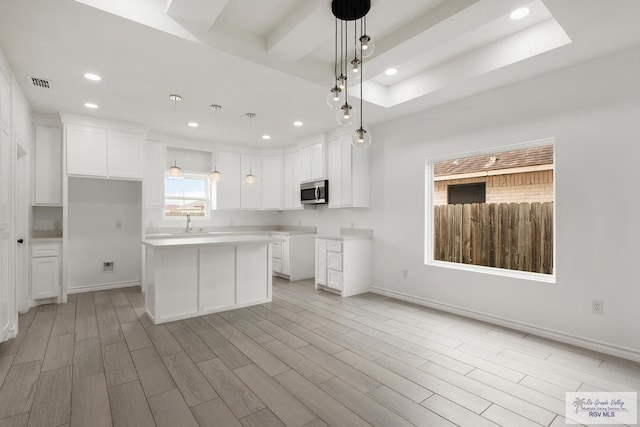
517,236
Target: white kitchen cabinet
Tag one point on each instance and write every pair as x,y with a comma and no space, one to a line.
45,270
348,175
251,194
343,266
86,149
125,155
291,180
293,255
312,162
228,188
95,151
47,166
272,182
154,159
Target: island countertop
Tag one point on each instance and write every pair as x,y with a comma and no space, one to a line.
209,240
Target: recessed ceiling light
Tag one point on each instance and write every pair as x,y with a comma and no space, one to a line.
193,124
92,76
519,13
91,105
298,123
266,136
390,71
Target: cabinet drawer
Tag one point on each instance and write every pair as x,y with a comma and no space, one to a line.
334,246
334,279
276,264
277,250
46,249
334,261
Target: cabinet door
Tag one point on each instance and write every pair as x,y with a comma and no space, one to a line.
346,189
287,181
272,182
228,188
305,164
321,262
335,173
86,150
317,161
296,178
154,159
286,255
47,166
45,277
334,279
251,195
125,155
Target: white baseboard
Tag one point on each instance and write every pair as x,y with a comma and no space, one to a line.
103,287
599,346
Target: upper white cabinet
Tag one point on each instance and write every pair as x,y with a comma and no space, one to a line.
272,182
312,162
47,167
86,150
125,155
103,152
251,194
348,175
228,188
291,171
154,159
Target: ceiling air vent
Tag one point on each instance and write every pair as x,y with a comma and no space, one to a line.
39,82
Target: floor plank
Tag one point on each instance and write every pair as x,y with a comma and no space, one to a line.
87,358
226,351
231,389
153,374
118,366
162,339
18,389
197,350
169,410
59,352
129,406
305,367
52,401
215,413
283,404
262,418
194,387
19,420
135,336
90,402
407,408
35,342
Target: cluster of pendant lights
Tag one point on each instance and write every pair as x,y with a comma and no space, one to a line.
347,71
176,172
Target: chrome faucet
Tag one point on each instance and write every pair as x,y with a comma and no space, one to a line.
188,229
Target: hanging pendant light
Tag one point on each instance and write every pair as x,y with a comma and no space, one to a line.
366,45
361,138
333,99
250,178
215,176
175,171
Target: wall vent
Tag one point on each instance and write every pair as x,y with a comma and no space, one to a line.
39,82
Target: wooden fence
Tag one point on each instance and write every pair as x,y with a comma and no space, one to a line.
516,236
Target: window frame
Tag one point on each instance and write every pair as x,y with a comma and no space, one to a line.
207,199
430,226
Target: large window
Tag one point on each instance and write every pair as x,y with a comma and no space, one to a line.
493,211
191,194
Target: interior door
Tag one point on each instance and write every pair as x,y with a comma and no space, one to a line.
7,297
21,226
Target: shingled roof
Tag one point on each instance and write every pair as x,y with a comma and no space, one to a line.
532,156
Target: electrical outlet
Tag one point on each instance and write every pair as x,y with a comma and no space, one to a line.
108,267
405,274
597,306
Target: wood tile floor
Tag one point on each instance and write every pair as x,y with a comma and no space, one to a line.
306,359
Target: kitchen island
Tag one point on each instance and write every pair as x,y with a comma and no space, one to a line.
191,276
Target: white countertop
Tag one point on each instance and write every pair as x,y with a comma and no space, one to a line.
208,240
45,240
349,234
347,237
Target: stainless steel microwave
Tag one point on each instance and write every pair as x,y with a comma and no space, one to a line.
314,192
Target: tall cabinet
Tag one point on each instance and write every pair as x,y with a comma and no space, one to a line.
348,175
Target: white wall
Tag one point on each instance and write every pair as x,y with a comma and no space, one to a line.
95,208
593,111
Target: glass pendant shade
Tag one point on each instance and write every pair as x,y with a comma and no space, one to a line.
366,46
361,139
355,66
342,81
250,179
175,171
215,175
334,98
346,115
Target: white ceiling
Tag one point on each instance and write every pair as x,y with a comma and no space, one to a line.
275,57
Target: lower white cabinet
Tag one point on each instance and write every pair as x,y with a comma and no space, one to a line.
45,270
343,266
293,256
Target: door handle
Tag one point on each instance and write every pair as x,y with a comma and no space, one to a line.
317,193
20,240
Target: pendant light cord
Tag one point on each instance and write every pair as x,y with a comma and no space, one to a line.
335,60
